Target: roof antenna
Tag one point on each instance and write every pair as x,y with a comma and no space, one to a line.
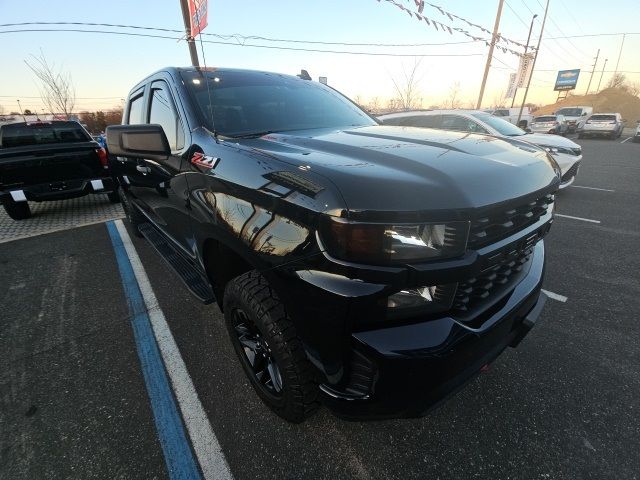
204,62
304,75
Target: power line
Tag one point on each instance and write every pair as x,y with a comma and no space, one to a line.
240,37
273,47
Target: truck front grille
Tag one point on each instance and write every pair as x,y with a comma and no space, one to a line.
502,223
572,172
475,291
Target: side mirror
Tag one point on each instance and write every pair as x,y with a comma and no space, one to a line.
138,141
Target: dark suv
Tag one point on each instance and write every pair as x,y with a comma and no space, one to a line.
373,268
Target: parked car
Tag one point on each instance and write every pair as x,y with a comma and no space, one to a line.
603,125
567,153
373,268
575,116
550,124
511,115
50,161
636,137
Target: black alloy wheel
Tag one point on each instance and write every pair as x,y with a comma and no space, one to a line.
257,354
270,352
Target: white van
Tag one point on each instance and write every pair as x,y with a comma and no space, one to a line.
511,115
575,116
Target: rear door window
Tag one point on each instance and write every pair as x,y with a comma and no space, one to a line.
423,121
461,124
135,110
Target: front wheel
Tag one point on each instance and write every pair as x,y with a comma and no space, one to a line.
271,354
17,210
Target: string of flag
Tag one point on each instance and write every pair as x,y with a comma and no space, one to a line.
439,26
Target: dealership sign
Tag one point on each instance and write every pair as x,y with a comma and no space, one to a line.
198,16
567,79
524,70
511,88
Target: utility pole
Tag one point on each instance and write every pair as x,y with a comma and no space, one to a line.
526,47
593,69
21,113
494,39
602,74
535,57
187,29
620,54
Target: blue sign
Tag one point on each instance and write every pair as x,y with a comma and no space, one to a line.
567,79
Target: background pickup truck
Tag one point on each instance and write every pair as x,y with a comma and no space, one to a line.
50,161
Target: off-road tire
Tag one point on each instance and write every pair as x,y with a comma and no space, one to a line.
133,216
252,294
17,210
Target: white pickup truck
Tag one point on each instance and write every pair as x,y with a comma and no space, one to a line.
575,116
511,115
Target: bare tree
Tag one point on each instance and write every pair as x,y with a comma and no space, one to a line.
408,96
374,105
454,95
56,89
634,89
619,80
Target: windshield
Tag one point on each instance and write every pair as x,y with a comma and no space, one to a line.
548,118
241,103
502,126
570,112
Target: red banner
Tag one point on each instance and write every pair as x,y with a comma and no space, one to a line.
198,16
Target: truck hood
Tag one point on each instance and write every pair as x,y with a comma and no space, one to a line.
404,169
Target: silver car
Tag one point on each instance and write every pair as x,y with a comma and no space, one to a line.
567,154
550,124
602,125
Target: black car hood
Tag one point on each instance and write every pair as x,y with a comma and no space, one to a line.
385,168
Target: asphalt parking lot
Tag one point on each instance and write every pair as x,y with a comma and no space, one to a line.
75,403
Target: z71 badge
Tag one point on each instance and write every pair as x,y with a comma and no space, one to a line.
206,161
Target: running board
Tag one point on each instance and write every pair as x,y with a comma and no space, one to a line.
195,282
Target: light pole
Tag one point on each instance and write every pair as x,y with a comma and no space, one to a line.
602,74
21,113
494,39
535,57
526,47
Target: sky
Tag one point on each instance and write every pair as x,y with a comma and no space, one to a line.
105,66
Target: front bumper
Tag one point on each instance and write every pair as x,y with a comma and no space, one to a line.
369,369
417,366
60,190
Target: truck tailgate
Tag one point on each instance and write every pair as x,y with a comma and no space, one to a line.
20,167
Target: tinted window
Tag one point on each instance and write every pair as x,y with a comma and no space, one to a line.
246,103
135,111
460,123
20,134
548,118
163,113
602,117
501,113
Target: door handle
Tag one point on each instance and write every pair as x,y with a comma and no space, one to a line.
142,169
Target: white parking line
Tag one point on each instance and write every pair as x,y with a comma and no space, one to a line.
577,218
205,444
555,296
593,188
626,139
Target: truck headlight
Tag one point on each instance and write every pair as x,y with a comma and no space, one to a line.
394,244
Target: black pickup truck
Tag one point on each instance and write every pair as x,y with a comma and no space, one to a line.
372,268
50,161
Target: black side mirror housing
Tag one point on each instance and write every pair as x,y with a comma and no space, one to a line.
138,141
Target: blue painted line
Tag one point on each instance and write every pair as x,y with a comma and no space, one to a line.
178,456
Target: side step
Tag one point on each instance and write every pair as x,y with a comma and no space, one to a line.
195,282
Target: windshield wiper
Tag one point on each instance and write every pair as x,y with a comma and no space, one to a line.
251,134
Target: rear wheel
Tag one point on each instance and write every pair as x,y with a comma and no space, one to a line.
17,210
134,217
271,354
